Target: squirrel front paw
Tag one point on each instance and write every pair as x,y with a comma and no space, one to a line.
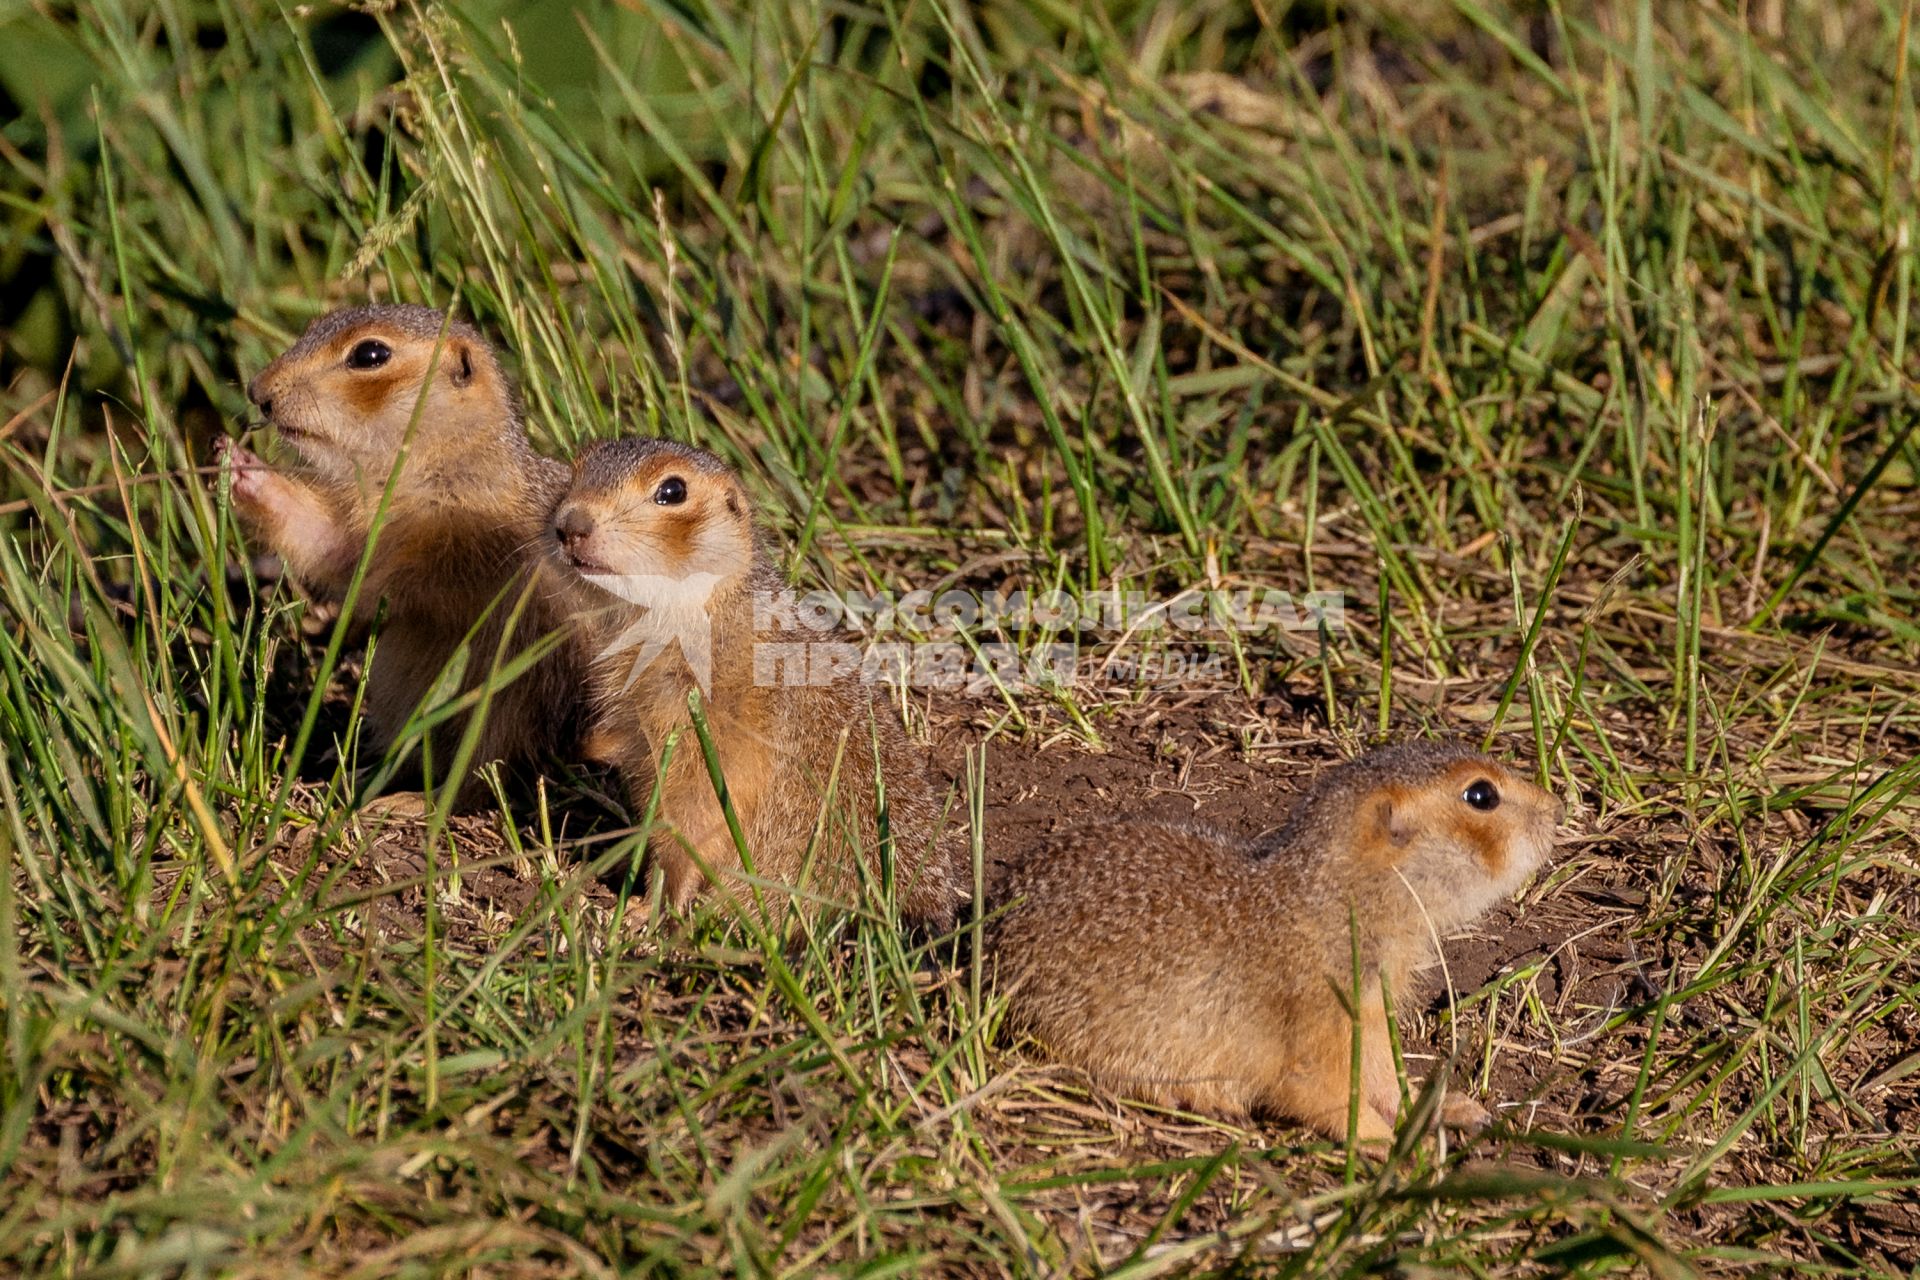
251,478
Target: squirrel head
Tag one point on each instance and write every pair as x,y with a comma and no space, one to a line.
1458,829
1462,830
656,521
346,395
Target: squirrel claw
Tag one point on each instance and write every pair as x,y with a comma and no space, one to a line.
232,453
1461,1112
396,806
248,473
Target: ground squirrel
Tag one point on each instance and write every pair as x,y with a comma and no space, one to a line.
1181,966
463,533
669,567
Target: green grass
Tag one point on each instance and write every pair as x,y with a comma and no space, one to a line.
1571,344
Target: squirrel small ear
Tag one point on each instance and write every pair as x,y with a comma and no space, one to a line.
1391,821
462,361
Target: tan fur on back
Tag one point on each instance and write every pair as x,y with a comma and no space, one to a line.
1181,966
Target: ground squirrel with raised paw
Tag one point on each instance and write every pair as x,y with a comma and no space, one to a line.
464,531
672,580
1180,966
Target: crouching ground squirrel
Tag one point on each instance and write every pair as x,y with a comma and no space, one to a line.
1180,966
660,540
463,532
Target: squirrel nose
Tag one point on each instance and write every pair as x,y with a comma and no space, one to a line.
572,525
260,394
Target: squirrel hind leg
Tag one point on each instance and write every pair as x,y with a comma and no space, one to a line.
1218,1096
1167,1064
1325,1110
1314,1082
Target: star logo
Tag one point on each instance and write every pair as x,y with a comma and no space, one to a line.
674,613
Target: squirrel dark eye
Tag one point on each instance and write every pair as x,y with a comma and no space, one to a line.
1482,795
672,492
370,354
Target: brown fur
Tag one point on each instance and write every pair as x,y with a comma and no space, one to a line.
464,527
798,760
1181,966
